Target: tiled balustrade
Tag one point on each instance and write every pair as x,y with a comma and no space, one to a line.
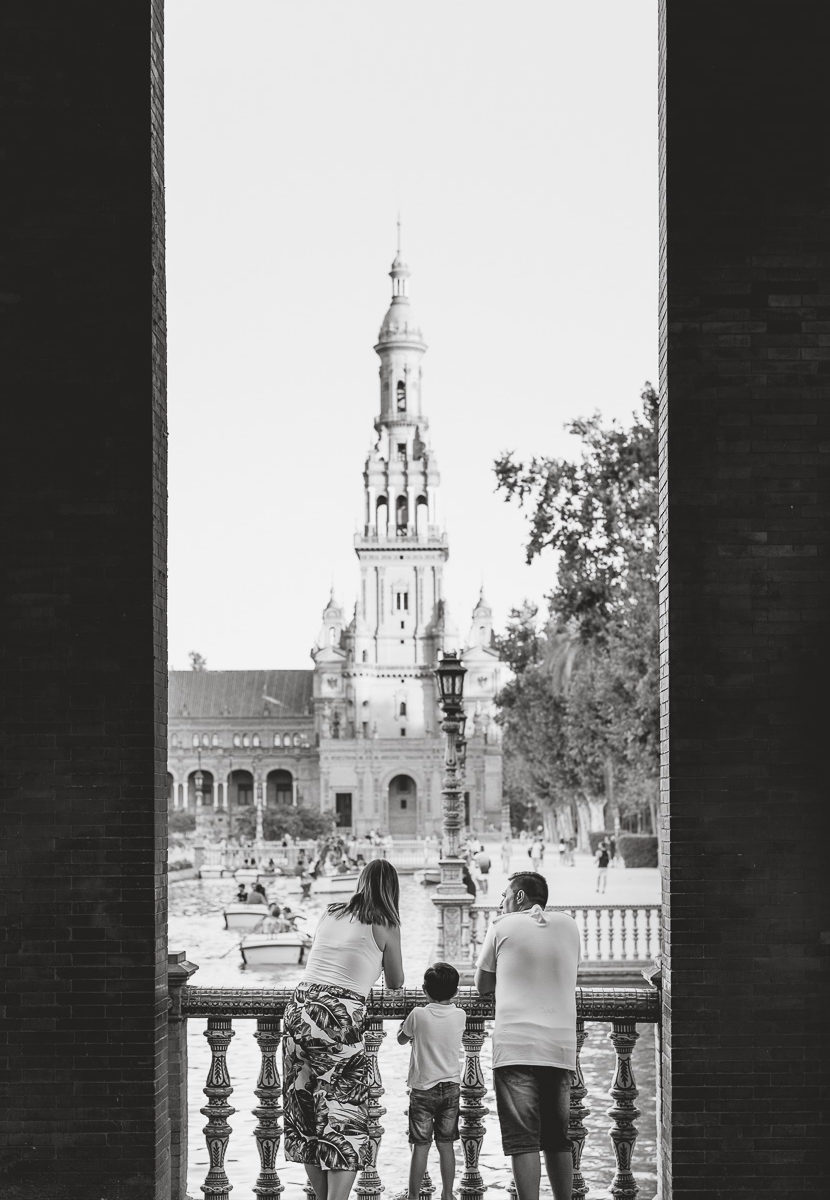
628,934
259,1013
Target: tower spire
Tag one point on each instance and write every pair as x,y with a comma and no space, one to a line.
399,233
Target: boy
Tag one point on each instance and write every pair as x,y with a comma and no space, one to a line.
434,1089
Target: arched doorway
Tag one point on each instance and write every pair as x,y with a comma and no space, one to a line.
403,806
279,788
240,789
207,790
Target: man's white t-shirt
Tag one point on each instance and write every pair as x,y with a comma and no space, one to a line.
534,956
436,1031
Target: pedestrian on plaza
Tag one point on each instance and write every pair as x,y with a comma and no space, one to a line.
467,880
482,860
529,959
435,1031
536,852
326,1081
572,851
603,857
506,854
563,852
612,850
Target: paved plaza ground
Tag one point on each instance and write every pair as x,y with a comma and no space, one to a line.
576,884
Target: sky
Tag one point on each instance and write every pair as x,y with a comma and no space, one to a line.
519,144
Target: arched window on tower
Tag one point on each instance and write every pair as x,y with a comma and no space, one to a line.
401,396
401,515
421,515
381,515
402,709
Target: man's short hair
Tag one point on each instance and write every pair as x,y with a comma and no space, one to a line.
441,981
534,886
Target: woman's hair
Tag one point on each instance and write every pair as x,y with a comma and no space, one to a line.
377,899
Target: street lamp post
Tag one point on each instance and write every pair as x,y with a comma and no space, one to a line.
259,803
452,898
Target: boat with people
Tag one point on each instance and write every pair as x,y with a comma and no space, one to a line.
274,949
241,915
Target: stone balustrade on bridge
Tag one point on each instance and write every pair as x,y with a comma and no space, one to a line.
257,1013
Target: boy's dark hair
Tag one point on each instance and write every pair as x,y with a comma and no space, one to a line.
441,981
534,886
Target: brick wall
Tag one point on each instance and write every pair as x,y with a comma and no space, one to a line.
83,1109
745,430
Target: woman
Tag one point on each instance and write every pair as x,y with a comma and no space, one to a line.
326,1094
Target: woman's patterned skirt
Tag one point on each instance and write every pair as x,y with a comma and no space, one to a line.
326,1083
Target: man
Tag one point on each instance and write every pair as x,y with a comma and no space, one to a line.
530,959
482,860
603,857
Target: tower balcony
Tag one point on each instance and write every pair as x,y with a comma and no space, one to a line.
433,535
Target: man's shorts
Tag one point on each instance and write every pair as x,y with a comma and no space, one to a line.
534,1107
434,1114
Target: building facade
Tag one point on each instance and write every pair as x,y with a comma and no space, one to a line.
359,733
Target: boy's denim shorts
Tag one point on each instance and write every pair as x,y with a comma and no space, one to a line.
534,1108
434,1114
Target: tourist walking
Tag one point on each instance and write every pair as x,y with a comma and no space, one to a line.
326,1078
482,861
529,959
506,854
536,851
603,857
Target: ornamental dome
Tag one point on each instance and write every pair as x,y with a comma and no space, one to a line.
400,323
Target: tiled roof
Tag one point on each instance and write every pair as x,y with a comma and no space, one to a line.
239,693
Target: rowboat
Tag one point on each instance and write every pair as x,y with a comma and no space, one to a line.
324,885
213,871
244,916
274,949
429,876
246,874
342,884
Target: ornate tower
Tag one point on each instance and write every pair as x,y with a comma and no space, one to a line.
400,622
377,724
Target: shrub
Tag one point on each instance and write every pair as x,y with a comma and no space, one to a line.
300,823
637,849
181,822
595,837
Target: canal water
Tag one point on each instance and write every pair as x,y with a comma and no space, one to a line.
197,927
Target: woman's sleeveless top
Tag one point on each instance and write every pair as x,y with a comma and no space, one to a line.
344,954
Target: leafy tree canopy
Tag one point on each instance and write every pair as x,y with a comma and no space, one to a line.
581,713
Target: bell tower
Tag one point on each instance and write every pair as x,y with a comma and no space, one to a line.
400,622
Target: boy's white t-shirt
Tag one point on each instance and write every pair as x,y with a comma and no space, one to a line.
436,1031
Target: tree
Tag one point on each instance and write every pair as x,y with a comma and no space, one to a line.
586,682
198,662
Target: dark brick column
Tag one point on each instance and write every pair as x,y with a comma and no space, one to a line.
745,333
83,1108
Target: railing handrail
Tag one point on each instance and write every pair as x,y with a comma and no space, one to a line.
641,1005
653,905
